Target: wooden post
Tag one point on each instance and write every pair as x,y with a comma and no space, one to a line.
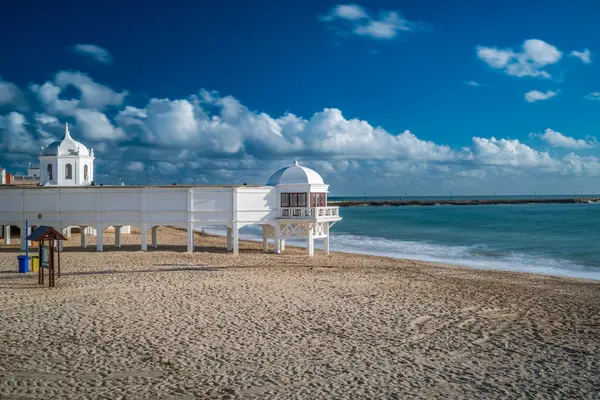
40,269
59,247
51,265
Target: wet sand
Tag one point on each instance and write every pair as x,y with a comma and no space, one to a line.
167,324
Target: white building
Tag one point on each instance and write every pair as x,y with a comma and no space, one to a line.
293,204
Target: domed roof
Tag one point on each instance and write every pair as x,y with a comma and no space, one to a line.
295,175
65,147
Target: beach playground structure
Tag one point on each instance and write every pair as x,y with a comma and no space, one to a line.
51,238
292,205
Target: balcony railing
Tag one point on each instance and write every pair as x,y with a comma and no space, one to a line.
309,212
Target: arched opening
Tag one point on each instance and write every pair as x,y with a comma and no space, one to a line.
85,173
49,169
68,171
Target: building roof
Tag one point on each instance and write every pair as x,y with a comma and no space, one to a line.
43,232
67,146
295,174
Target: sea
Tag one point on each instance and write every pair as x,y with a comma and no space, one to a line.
552,239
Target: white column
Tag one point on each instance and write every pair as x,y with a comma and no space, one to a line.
190,237
229,239
23,236
282,244
117,236
61,244
69,231
83,230
265,241
154,237
6,234
311,242
277,240
99,237
236,238
144,229
326,245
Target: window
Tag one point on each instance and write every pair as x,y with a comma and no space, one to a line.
85,173
318,199
293,200
68,171
49,169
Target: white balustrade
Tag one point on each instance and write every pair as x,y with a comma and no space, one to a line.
309,212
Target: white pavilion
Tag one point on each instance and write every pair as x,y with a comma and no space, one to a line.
293,204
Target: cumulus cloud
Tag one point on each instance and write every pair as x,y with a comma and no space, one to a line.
96,52
535,95
557,139
592,96
209,138
535,54
358,21
472,83
585,56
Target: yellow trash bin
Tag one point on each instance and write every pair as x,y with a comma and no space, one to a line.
35,263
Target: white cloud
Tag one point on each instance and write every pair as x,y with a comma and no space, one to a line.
10,93
592,96
535,55
135,166
535,95
93,95
557,139
472,83
386,26
95,125
96,52
166,168
585,56
14,134
506,152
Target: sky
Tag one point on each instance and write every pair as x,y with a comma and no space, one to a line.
379,97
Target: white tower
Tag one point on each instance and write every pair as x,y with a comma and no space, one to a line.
66,162
303,212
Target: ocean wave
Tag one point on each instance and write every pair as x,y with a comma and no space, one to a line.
476,256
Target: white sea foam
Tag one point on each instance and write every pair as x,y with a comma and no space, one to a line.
474,256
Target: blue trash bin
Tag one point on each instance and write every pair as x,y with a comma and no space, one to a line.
23,264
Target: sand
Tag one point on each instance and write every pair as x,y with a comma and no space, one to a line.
210,325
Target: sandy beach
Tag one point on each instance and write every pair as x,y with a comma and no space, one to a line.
126,324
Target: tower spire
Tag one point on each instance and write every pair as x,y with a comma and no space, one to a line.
67,133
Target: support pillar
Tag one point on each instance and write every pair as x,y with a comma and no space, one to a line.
265,241
236,238
144,229
229,239
190,237
282,244
326,245
69,231
23,236
154,237
277,240
83,230
118,236
311,242
6,234
99,238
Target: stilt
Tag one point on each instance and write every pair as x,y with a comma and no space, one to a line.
277,240
236,238
265,241
83,230
6,234
23,236
154,237
326,245
311,242
282,244
118,236
190,237
144,229
229,239
99,238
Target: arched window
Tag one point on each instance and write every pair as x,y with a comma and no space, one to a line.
68,171
85,173
49,172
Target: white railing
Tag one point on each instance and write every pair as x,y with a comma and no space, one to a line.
306,212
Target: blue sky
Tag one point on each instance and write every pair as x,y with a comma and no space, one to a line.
383,97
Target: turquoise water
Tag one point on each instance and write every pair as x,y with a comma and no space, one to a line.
556,239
